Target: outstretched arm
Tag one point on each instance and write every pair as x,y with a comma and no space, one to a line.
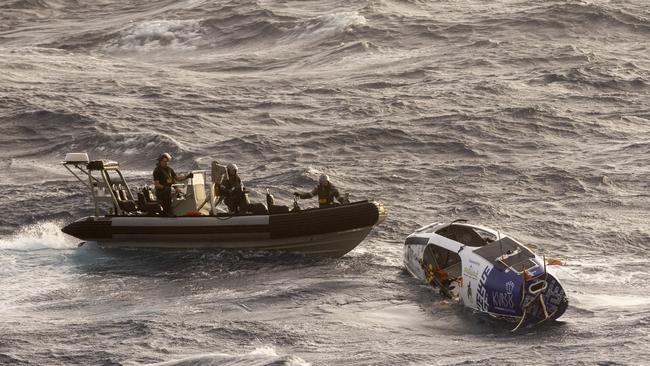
183,177
305,195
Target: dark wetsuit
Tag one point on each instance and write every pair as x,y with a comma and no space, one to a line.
233,192
326,194
166,177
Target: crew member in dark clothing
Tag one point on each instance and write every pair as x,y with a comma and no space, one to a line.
325,191
163,178
233,191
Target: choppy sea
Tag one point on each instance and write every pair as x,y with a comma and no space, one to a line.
532,117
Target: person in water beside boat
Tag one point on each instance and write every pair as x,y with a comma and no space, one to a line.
325,191
233,190
163,179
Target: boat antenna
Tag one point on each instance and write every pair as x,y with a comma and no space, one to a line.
500,242
501,247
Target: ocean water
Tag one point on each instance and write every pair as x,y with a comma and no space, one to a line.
530,117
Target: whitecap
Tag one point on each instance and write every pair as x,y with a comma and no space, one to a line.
42,235
262,355
158,34
326,25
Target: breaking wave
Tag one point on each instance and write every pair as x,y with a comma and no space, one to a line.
262,356
324,26
51,134
158,34
43,235
233,33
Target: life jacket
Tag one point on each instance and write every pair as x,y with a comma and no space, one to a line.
168,179
325,195
233,182
436,272
442,275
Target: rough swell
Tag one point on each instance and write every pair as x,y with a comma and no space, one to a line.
528,116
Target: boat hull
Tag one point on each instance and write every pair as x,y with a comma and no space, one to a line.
331,232
499,277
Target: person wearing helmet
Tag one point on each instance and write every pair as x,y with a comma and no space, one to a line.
325,191
233,190
163,179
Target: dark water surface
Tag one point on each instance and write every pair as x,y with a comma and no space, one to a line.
528,116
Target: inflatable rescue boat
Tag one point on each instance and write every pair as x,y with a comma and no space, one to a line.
124,220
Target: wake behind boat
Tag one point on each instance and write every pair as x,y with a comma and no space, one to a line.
139,223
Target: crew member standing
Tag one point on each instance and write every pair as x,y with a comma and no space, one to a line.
163,178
